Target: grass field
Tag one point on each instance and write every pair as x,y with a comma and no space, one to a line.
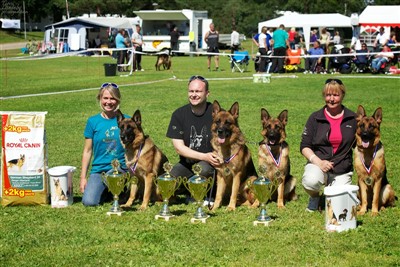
79,236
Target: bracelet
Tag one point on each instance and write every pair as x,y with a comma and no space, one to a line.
312,156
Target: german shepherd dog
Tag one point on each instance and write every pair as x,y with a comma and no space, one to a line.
59,192
369,162
17,162
163,60
331,216
229,143
273,153
143,158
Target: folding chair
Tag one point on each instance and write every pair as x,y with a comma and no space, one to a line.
240,60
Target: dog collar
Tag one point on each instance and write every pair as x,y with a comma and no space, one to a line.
276,161
368,169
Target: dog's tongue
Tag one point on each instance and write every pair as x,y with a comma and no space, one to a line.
271,142
221,140
365,144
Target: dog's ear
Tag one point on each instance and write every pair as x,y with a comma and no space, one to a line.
378,115
120,116
216,108
264,116
360,112
137,117
235,110
283,117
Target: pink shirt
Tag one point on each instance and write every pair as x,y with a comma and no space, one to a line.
335,136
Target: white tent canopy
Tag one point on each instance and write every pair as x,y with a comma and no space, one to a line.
306,21
380,16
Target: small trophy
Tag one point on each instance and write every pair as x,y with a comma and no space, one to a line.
263,189
116,182
167,184
198,187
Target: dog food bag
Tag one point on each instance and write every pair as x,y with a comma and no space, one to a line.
23,159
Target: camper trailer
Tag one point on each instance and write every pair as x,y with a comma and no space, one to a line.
157,25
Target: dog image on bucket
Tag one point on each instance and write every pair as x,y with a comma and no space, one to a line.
60,178
341,207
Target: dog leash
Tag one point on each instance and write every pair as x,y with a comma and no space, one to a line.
210,194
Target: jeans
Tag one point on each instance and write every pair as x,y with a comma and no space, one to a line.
92,196
279,60
377,63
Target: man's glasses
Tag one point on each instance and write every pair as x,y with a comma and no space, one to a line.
109,84
334,80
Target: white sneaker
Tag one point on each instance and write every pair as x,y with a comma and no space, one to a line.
305,72
141,69
208,201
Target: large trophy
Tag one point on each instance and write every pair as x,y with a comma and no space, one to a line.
263,189
167,184
116,181
198,187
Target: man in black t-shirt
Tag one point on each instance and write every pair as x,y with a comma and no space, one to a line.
190,131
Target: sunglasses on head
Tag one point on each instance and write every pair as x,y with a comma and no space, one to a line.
197,77
109,84
334,80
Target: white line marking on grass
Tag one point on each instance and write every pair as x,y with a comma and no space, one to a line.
82,90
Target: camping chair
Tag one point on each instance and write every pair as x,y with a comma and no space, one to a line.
293,60
240,60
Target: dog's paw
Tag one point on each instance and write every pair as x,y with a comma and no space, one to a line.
281,206
231,208
374,213
143,207
361,212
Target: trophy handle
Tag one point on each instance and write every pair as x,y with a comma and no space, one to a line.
103,177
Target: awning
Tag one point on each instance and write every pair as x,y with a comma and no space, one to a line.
380,16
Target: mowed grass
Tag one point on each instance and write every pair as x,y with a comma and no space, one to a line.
79,236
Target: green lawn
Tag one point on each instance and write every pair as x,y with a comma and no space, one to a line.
79,236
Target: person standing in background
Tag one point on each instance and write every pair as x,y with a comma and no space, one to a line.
174,40
137,42
235,43
212,38
281,42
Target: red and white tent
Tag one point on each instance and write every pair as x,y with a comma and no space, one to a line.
380,16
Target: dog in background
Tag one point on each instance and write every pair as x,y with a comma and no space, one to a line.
369,162
59,192
273,153
143,158
17,162
163,60
237,166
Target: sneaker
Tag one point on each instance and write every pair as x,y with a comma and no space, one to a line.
305,72
310,211
141,69
313,204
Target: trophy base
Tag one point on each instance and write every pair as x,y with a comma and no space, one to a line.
166,218
203,220
119,213
265,223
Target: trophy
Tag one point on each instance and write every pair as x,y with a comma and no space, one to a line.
167,184
116,182
263,189
198,187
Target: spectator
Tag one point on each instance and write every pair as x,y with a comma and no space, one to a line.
121,44
174,40
381,58
313,36
137,42
336,38
262,48
316,53
235,43
381,39
292,36
281,42
212,38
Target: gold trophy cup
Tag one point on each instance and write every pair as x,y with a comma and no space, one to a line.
198,186
116,181
263,189
167,185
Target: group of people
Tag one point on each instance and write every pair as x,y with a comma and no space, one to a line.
123,41
326,144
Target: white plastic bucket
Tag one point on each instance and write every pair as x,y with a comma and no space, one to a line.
262,78
341,207
61,186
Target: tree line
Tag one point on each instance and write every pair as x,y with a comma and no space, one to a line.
242,14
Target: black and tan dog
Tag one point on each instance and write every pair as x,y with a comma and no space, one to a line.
369,161
273,154
229,143
17,162
143,158
163,60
